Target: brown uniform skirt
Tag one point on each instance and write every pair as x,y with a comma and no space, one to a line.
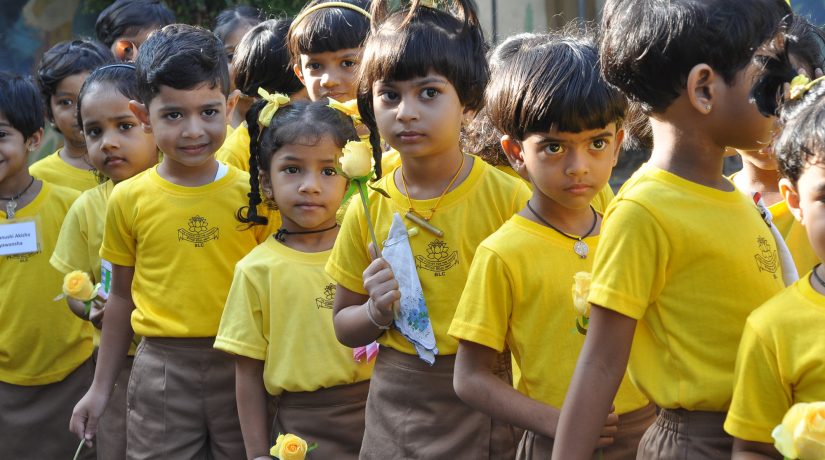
333,418
684,434
632,427
414,413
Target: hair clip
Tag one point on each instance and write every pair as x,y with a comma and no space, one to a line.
312,9
801,84
274,102
349,108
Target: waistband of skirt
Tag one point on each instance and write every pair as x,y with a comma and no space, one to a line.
693,423
324,397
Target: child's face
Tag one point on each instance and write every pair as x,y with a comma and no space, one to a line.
742,124
418,117
189,124
14,149
229,46
303,182
115,142
330,74
570,168
806,201
64,107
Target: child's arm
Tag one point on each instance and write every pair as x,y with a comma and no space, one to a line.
351,319
251,396
752,450
599,371
477,385
114,345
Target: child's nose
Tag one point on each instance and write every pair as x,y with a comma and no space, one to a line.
329,79
577,164
192,128
407,110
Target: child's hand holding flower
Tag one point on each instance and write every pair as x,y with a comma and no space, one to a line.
802,432
78,285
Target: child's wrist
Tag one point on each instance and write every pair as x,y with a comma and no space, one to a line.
374,318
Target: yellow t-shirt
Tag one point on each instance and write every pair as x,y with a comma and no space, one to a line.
506,303
780,361
279,310
468,214
690,263
229,130
184,243
235,149
54,170
390,160
41,341
599,202
795,237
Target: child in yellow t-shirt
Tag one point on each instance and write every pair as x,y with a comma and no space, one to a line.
261,60
278,316
173,241
568,147
45,350
61,73
684,256
417,102
118,148
780,359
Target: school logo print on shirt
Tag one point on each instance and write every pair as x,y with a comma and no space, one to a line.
22,258
328,299
767,259
439,258
198,232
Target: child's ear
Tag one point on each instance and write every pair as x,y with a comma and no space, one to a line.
618,147
791,196
231,102
512,149
33,142
142,113
266,185
701,87
297,69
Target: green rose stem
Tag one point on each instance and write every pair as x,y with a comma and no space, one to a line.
363,193
79,448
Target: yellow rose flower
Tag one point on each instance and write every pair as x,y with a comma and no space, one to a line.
349,108
289,447
356,160
581,289
802,432
78,285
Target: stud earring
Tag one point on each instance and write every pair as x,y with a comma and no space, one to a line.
708,107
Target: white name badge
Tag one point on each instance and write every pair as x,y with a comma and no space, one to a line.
18,237
105,279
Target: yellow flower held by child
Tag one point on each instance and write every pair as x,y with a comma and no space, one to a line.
802,432
581,289
356,160
78,285
289,447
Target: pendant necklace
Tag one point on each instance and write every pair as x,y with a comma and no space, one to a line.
12,201
579,247
416,217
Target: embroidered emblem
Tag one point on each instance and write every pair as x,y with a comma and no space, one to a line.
328,299
439,259
199,232
23,258
767,259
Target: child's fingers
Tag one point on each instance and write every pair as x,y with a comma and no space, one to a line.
385,301
373,251
376,266
817,72
604,442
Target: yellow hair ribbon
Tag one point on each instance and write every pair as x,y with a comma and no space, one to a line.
349,108
312,9
273,103
801,84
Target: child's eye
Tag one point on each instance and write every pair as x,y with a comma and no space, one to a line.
329,172
93,132
291,170
2,134
388,96
65,102
348,63
210,112
173,116
429,93
554,149
125,126
313,66
598,144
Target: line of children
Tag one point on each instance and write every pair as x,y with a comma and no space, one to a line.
562,124
62,71
45,350
684,256
173,242
118,148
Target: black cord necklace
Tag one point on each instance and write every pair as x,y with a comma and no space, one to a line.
12,201
818,278
282,233
579,247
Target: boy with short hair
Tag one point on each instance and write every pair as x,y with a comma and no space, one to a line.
684,256
173,241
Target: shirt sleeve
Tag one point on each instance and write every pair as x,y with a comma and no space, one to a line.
70,251
483,313
629,267
350,256
119,245
760,396
241,330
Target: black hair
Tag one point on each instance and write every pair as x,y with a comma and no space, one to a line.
553,84
181,57
328,29
802,141
229,19
648,47
415,40
121,76
20,103
638,133
125,17
66,59
262,60
803,41
299,122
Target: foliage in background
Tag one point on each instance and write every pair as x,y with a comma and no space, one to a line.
203,12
